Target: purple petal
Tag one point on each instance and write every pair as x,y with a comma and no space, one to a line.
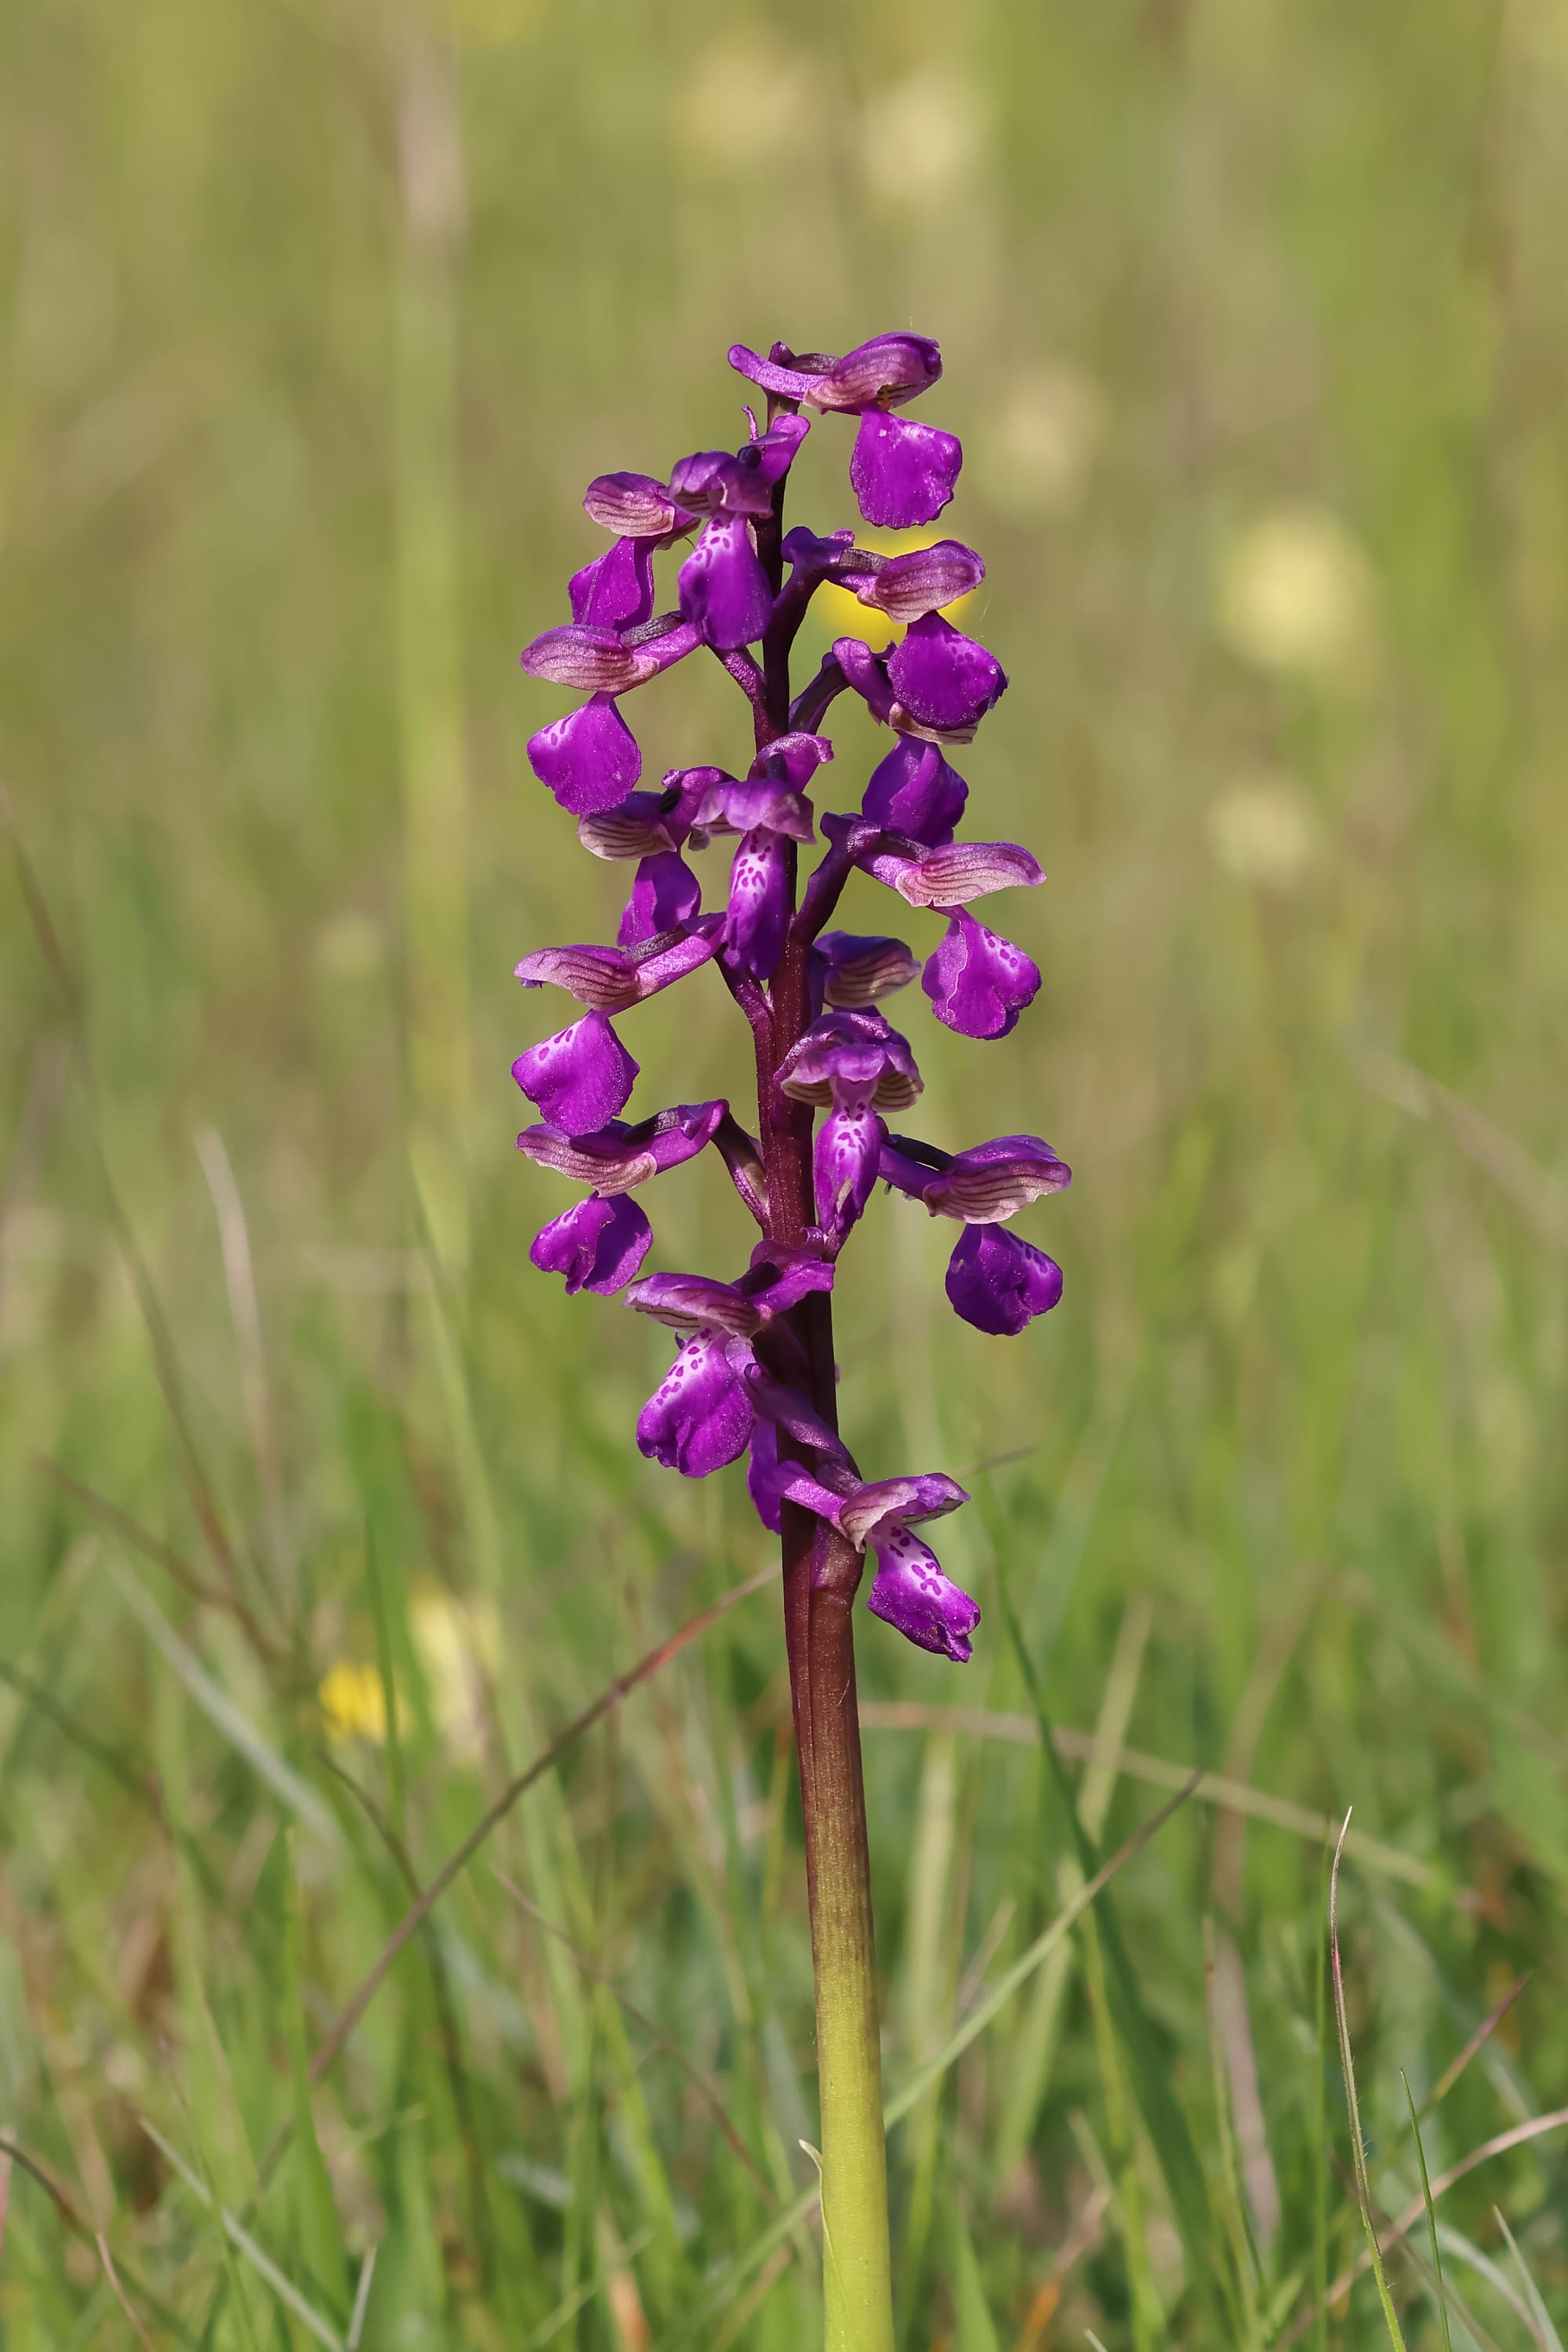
776,373
791,760
851,1058
578,1079
943,678
590,661
655,965
978,983
889,369
615,591
693,1302
664,893
867,673
903,1167
910,1592
999,1281
681,1133
902,473
590,759
861,970
699,1416
759,904
781,1275
597,1244
793,1412
602,977
640,827
661,642
991,1181
774,1482
724,591
962,870
844,1167
609,979
714,482
763,804
877,1510
633,505
914,584
915,792
762,1472
802,547
618,1157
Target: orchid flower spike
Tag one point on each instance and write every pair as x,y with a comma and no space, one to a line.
753,1372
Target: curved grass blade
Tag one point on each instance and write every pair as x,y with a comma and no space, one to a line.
1347,2063
1431,2214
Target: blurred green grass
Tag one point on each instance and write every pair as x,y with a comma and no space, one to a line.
1255,329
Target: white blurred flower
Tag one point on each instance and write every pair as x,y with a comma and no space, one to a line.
1265,831
1296,592
920,140
750,100
459,1644
1037,448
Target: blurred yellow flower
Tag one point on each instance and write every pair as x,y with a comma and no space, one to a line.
839,612
1037,448
353,1703
1265,831
1296,592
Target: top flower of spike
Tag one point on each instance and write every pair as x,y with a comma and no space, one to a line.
752,1372
902,473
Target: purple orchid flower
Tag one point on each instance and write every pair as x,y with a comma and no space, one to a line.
902,473
753,1371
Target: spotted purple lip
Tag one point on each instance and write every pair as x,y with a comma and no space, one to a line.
752,1371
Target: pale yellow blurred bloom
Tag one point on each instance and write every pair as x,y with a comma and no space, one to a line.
491,24
1538,31
1296,593
920,140
354,1702
1265,831
1037,450
459,1644
750,100
349,946
841,613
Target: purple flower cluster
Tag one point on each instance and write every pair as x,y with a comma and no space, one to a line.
753,1372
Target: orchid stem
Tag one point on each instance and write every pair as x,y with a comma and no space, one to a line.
822,1573
821,1576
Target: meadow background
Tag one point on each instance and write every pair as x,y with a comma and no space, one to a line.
319,316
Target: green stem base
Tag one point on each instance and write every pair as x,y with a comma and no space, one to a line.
822,1573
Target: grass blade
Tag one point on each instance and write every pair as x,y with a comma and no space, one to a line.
362,2301
1550,2339
261,2263
1347,2063
1157,1772
1431,2215
220,1709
